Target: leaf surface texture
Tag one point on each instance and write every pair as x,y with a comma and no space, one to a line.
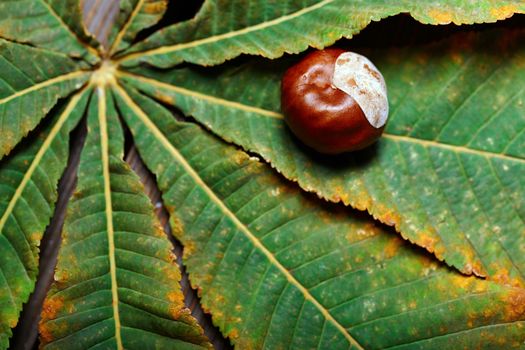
279,268
116,283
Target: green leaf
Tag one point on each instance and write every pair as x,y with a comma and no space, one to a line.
49,24
279,269
224,29
70,12
32,82
28,192
134,16
449,172
116,283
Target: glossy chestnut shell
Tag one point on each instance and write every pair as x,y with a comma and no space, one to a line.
322,116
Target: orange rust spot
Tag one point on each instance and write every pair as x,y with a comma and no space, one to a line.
392,247
177,227
46,335
51,307
233,334
503,12
514,302
461,281
391,218
189,248
164,98
36,237
470,323
175,297
430,243
155,8
502,276
440,17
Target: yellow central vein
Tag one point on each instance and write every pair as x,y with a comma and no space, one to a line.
228,35
198,95
38,157
101,91
456,149
59,79
276,115
124,29
213,197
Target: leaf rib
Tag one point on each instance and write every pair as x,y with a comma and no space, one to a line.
276,115
228,35
36,161
109,211
125,27
213,197
44,84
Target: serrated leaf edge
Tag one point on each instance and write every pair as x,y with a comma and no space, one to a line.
40,154
125,27
44,84
90,49
213,197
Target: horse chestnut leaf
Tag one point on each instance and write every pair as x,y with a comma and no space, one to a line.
335,101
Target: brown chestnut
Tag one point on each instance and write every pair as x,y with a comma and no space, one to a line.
334,101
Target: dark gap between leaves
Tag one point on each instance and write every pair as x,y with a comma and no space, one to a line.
403,30
191,298
177,11
25,334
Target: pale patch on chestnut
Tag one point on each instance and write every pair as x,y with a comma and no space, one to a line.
338,115
358,77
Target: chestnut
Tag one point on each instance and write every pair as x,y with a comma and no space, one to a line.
335,101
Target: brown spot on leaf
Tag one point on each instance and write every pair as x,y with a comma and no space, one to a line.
514,302
233,334
392,247
51,308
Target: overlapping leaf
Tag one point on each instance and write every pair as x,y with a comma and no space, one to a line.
276,267
117,285
224,29
279,269
49,24
134,16
32,82
28,192
449,172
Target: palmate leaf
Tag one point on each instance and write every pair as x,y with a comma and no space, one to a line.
51,24
116,283
279,269
448,173
224,29
134,16
28,192
32,82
